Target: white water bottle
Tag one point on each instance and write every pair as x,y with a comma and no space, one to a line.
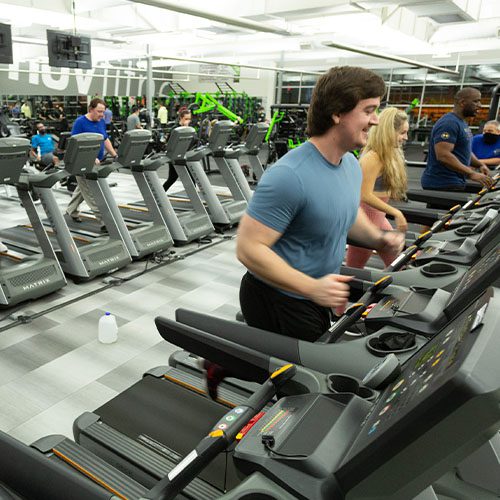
108,329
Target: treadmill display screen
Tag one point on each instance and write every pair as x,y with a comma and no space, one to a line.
477,278
491,233
424,373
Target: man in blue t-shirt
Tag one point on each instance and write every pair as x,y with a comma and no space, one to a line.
451,160
108,116
43,146
93,122
486,146
292,239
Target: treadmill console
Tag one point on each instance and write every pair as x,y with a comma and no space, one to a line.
13,157
81,153
256,136
443,406
132,147
179,142
484,273
490,237
221,132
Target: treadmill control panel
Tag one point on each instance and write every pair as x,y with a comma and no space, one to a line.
481,275
324,446
490,236
423,375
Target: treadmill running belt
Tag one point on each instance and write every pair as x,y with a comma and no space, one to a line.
26,237
176,417
135,215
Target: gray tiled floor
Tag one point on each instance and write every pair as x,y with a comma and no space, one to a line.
53,369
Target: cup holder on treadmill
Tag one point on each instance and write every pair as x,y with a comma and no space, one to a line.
438,269
465,230
344,384
391,342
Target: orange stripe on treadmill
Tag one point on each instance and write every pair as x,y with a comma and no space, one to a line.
49,230
89,474
134,207
197,390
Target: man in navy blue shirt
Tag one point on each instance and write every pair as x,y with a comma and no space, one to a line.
486,146
93,121
451,160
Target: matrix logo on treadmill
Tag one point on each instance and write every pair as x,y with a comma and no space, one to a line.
36,284
108,261
153,243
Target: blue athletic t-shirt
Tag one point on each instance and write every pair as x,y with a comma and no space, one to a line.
45,142
449,128
313,203
483,150
83,124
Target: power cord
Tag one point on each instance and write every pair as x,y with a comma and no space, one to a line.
396,309
268,442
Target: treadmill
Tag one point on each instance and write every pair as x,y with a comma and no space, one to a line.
184,225
141,238
473,207
227,161
461,251
446,199
457,231
401,318
81,257
26,275
222,212
252,146
328,437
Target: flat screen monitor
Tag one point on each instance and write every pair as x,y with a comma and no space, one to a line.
13,157
6,44
68,51
133,146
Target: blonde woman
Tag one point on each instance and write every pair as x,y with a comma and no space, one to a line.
384,178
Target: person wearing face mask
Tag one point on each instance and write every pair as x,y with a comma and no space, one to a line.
384,178
451,160
43,146
486,146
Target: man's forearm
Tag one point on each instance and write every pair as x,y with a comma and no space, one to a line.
491,162
451,161
109,147
364,232
475,162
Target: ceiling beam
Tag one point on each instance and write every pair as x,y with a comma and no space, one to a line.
252,66
389,57
231,21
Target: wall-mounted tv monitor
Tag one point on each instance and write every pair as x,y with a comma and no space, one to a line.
5,44
68,51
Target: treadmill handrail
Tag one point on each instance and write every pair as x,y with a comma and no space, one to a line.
354,312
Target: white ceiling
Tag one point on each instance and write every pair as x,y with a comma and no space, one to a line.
440,32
